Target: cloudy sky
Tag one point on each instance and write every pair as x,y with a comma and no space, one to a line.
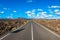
49,9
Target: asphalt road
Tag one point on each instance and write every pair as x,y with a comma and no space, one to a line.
32,31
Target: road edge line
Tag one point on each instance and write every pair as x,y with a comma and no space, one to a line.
4,36
54,33
14,30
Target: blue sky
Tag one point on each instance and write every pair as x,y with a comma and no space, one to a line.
30,9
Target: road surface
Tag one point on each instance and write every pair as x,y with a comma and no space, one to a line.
32,31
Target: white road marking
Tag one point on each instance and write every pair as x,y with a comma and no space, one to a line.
14,30
5,36
48,30
32,31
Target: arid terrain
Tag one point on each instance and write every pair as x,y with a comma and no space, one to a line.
52,24
7,25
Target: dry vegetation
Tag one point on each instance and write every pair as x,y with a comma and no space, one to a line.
54,25
10,24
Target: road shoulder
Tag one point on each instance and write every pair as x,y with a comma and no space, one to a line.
54,33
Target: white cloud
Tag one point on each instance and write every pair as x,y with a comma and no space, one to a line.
31,14
28,12
41,15
9,17
2,12
33,11
54,7
50,15
44,14
57,11
14,11
6,8
38,15
39,9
